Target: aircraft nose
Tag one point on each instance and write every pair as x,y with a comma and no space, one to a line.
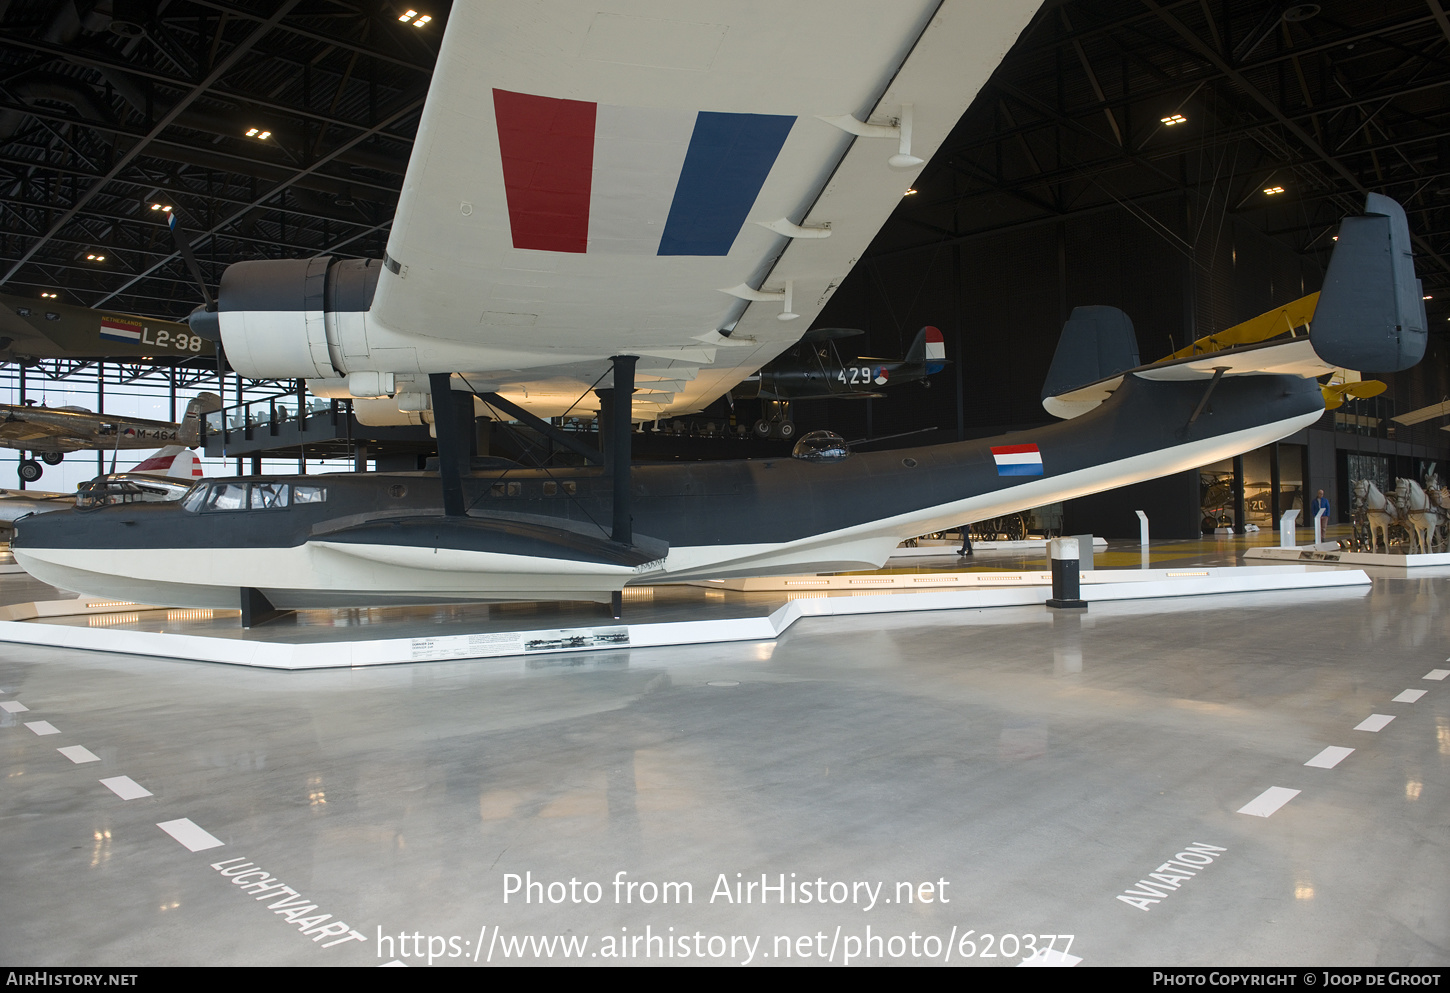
206,323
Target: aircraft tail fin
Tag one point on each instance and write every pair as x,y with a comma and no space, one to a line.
1371,312
1096,342
173,462
191,421
930,349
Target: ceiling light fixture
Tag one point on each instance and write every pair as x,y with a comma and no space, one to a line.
93,257
47,295
910,192
1173,119
161,206
1271,190
258,133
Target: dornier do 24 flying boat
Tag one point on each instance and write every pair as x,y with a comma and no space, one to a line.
532,240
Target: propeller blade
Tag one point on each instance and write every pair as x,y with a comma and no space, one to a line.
184,247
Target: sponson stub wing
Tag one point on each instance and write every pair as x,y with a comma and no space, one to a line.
1370,316
592,179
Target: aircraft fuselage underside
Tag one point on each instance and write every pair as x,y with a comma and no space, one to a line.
535,534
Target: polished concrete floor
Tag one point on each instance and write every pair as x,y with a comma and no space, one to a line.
987,778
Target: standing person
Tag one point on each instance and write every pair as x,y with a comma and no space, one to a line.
1320,502
966,541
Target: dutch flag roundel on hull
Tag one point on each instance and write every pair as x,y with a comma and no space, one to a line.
1017,460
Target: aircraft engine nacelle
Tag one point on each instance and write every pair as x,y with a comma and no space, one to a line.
295,318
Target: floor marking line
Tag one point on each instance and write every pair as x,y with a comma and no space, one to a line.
1374,722
1268,801
79,754
42,727
126,788
1329,758
193,837
1437,673
1409,696
1046,957
15,706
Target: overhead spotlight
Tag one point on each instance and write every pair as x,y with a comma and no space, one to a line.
1271,190
162,207
258,133
910,193
422,21
48,295
1427,297
1173,119
93,257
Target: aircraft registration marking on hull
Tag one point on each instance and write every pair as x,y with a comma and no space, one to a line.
1017,460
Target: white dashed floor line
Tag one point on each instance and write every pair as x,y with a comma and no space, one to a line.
1374,722
42,727
1436,673
1409,696
1330,757
1268,801
16,707
125,787
193,837
79,754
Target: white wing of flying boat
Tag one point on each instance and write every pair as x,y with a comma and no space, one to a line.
687,183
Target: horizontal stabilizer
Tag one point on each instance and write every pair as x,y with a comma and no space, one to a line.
1096,342
1371,313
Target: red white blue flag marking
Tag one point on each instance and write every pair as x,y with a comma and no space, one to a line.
120,329
588,177
1017,460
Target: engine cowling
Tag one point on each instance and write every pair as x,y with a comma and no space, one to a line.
296,318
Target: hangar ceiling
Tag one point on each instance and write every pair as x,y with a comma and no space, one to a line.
1120,105
109,107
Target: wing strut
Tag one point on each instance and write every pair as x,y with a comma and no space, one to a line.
621,426
1218,372
452,448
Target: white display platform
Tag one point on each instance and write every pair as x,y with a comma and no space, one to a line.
1103,586
938,548
984,580
1326,554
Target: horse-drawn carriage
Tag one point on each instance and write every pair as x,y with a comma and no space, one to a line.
1411,518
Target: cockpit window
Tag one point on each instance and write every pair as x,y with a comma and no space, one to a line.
227,496
268,495
309,494
195,497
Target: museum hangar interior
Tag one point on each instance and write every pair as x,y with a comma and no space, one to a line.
995,768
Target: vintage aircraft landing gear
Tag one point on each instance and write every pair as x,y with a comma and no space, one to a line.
53,458
775,422
30,470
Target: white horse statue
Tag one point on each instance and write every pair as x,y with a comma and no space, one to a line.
1379,510
1419,513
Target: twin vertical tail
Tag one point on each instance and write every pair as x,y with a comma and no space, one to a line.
1371,312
